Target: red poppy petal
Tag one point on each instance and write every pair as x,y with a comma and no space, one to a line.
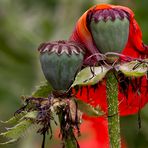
135,100
95,133
128,104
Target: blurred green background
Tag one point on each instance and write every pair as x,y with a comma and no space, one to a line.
23,26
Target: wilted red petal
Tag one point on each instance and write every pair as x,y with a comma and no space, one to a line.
128,104
135,100
132,102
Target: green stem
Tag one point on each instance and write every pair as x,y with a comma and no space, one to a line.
69,139
113,118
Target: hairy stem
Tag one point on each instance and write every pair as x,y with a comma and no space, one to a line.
113,118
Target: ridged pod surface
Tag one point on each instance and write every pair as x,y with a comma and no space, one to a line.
60,61
110,29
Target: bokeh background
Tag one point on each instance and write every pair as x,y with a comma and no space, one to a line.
24,24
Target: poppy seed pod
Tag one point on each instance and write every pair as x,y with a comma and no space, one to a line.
110,29
60,61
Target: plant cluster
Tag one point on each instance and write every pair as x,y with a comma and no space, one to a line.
105,54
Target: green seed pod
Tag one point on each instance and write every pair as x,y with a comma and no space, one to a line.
60,62
110,30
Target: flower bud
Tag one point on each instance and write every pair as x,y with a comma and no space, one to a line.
110,29
60,61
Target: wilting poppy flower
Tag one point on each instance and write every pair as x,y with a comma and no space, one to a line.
132,92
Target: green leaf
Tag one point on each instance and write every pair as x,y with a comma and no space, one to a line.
8,142
14,119
30,115
18,130
21,128
90,75
134,68
42,91
88,109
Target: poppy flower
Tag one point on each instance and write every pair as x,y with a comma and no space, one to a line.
132,92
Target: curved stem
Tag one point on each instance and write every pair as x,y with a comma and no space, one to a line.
113,121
